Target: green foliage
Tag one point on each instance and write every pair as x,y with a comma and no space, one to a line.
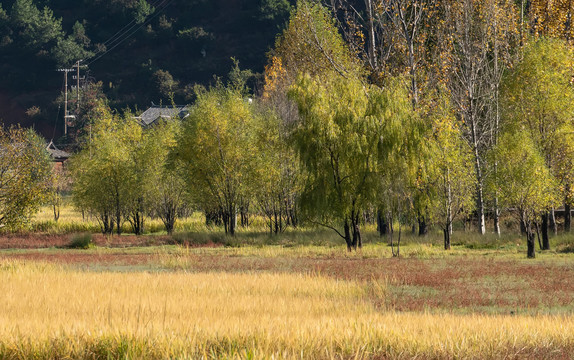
123,175
275,10
538,97
36,27
450,170
216,152
166,84
81,241
103,173
25,170
238,78
277,179
523,180
163,185
347,128
67,51
401,156
142,10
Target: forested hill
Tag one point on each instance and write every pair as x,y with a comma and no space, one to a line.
141,51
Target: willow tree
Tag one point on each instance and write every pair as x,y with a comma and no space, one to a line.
215,151
539,97
338,141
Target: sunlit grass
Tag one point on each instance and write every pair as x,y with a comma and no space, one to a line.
52,312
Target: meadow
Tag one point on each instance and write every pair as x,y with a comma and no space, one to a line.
199,294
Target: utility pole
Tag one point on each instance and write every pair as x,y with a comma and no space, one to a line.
66,116
78,87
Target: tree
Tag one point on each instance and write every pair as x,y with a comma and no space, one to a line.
311,44
338,140
539,97
25,171
552,18
472,29
58,184
523,181
37,27
402,161
104,178
215,151
166,84
451,171
142,9
277,179
165,187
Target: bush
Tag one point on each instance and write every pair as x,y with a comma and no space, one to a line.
81,241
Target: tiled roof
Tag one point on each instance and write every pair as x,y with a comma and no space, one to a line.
155,112
55,153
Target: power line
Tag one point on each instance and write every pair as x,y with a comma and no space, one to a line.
118,34
118,41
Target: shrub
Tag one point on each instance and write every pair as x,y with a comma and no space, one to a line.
81,241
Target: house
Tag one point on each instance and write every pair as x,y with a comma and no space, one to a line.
156,112
59,157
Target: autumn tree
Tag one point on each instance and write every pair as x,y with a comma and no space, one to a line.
165,188
214,148
523,180
338,140
25,171
451,171
310,44
402,161
277,179
473,30
552,18
104,182
539,97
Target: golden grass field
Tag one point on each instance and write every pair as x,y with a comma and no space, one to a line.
296,296
50,311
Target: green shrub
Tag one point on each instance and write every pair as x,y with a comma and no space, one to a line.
81,241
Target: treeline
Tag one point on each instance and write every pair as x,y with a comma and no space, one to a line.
413,112
404,112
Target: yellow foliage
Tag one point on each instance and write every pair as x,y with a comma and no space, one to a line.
274,75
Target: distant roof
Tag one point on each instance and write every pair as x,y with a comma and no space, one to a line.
156,112
55,153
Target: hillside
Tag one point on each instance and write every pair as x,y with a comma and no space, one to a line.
134,48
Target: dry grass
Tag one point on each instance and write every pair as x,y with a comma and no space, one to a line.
47,311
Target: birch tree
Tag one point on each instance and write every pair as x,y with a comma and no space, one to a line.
472,28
